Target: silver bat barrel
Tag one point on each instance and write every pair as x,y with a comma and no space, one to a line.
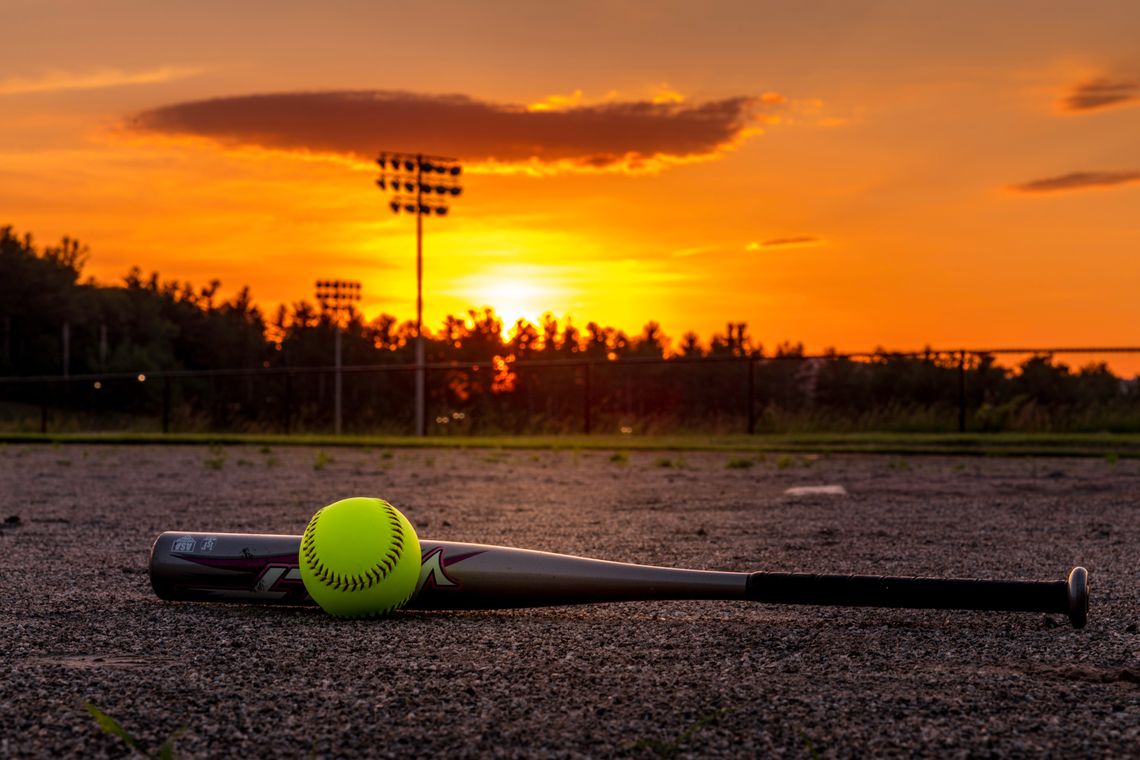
263,569
233,567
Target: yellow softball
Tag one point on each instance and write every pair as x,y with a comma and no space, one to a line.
360,557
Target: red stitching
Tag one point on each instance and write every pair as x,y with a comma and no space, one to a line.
371,576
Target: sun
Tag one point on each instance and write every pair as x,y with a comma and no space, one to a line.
514,292
513,300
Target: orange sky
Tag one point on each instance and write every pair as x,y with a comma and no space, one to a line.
840,173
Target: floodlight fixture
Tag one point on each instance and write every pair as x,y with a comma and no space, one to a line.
403,175
336,297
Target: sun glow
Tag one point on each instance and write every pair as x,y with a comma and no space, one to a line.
514,292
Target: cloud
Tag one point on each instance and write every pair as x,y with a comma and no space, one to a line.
796,241
54,81
683,253
557,102
1077,181
1100,92
666,94
561,135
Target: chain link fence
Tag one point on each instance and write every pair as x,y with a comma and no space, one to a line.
936,391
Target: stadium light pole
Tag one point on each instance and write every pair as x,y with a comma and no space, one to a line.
421,185
337,297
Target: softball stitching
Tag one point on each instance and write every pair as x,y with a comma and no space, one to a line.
355,582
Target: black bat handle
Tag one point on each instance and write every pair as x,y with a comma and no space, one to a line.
1069,597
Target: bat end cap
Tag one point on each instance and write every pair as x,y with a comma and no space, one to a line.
1078,597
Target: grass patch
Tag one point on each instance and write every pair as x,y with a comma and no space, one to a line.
215,457
664,462
740,464
321,460
809,745
620,457
675,746
785,462
1125,445
112,727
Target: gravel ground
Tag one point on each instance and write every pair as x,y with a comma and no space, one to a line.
78,620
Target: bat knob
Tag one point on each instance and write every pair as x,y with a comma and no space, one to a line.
1078,597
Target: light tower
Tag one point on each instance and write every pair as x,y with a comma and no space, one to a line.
336,297
421,185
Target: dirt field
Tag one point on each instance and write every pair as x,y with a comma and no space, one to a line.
78,620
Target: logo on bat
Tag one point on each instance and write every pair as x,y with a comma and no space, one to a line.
184,544
278,578
433,570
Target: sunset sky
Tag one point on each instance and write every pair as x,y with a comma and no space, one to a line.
848,174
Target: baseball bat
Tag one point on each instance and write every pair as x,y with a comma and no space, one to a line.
263,569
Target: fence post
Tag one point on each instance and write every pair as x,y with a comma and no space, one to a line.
165,404
962,391
421,421
338,385
288,401
751,396
586,400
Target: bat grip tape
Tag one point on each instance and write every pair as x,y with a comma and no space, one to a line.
1069,597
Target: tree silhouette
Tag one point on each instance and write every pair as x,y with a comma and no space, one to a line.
491,382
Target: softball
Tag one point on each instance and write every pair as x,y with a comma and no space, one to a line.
360,557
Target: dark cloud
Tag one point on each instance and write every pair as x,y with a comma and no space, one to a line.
361,123
1077,181
785,242
792,241
1102,92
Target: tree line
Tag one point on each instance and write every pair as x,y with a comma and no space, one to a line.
54,321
